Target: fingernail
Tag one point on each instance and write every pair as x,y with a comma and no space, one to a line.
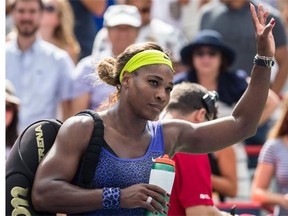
164,212
272,22
167,204
156,213
167,194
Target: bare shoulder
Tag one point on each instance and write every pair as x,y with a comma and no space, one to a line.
76,132
174,128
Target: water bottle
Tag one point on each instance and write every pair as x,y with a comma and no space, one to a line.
162,174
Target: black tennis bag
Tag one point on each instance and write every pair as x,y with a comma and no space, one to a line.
27,152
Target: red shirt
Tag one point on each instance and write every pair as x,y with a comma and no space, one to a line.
192,185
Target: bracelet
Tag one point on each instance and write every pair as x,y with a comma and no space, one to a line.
111,198
264,57
263,61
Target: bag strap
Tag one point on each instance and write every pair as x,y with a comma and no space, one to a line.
91,156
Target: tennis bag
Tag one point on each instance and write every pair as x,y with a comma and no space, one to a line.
27,152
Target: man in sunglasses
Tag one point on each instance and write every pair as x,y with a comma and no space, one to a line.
192,189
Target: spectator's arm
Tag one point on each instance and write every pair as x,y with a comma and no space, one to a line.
272,103
281,56
81,102
203,210
66,109
260,185
97,7
226,184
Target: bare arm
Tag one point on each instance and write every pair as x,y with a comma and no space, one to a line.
66,109
203,210
226,183
272,103
281,56
97,7
260,187
80,103
243,122
52,190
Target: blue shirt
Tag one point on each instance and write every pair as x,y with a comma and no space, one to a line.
41,77
86,80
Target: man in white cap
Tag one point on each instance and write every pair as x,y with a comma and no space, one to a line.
121,24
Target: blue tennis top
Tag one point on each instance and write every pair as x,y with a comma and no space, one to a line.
113,171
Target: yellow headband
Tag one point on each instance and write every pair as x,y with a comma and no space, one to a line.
143,58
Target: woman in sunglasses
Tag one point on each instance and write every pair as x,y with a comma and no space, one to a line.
208,58
57,25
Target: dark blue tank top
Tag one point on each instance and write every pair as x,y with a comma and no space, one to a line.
113,171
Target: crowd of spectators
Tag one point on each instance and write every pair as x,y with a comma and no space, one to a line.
53,46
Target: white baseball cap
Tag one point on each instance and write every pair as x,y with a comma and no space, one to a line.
122,15
10,93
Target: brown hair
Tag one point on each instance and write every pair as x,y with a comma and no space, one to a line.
109,69
280,128
41,4
64,32
187,97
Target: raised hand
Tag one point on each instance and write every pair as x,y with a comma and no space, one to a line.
263,31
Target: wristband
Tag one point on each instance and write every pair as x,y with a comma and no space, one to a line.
264,61
111,198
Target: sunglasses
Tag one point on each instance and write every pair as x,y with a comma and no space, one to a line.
50,8
210,52
209,101
144,10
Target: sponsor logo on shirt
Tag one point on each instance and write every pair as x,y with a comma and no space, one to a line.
204,196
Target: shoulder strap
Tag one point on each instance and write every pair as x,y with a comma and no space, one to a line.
91,157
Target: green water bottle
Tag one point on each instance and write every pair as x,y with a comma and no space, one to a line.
162,174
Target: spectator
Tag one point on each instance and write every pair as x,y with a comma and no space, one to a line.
224,174
282,5
8,18
11,116
208,58
168,11
143,74
57,26
192,189
273,164
85,28
39,71
232,19
152,29
178,13
99,19
122,23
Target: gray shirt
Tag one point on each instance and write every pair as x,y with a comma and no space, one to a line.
237,29
275,152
